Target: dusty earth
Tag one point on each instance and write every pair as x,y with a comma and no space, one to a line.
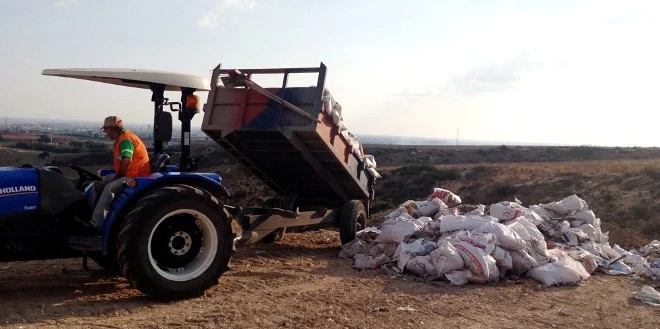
299,282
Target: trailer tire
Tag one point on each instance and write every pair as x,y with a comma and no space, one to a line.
175,242
353,218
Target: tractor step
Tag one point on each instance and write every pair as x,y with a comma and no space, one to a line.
85,243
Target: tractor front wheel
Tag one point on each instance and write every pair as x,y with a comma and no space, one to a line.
175,243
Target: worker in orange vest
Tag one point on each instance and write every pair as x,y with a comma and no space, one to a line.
131,159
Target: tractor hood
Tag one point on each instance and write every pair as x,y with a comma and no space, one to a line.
137,78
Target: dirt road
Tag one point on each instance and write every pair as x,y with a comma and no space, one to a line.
300,283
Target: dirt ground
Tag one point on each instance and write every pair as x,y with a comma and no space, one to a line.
300,283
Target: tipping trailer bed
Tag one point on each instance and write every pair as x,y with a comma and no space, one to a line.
288,141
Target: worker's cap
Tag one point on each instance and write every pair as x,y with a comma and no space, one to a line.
112,121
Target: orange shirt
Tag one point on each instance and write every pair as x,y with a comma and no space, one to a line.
128,145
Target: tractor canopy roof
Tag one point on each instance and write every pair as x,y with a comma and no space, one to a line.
136,78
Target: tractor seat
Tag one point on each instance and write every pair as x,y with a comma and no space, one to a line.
158,162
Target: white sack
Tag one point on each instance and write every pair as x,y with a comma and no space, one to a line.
590,231
586,215
412,208
493,272
398,229
567,206
654,267
446,258
357,246
420,266
485,241
532,216
448,197
630,258
565,271
432,229
405,251
521,261
385,248
475,259
505,210
618,268
502,258
430,207
455,223
364,261
651,249
521,230
587,259
506,237
536,246
368,234
648,295
396,213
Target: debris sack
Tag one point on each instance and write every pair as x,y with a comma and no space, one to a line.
565,271
648,295
448,197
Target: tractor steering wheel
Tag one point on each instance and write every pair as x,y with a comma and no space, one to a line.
84,175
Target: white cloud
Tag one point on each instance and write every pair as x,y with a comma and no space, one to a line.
65,3
212,17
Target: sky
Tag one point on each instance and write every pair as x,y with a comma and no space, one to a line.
548,72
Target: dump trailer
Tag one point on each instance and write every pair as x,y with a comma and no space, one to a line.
288,138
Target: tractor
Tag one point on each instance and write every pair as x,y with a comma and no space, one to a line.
168,233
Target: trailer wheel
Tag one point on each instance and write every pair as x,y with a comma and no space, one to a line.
353,218
175,243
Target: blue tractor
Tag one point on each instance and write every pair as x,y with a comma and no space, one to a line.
169,233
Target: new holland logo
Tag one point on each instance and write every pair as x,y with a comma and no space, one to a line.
17,190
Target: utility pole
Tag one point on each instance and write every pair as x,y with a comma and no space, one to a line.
457,130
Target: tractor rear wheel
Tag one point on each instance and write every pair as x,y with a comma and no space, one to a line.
353,218
175,243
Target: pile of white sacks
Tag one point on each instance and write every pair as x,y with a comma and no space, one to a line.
557,243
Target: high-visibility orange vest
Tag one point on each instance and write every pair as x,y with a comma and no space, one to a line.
140,160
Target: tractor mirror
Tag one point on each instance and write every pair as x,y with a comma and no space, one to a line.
163,127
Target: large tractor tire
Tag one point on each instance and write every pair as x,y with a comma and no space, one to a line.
353,218
175,243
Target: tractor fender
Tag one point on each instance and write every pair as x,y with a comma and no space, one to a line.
125,201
